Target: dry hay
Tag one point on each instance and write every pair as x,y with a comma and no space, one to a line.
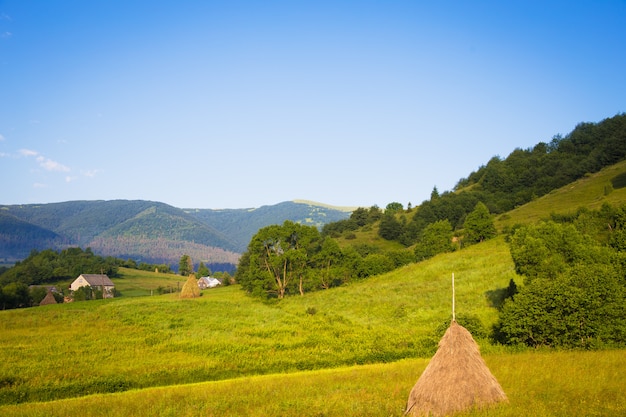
190,289
456,379
48,299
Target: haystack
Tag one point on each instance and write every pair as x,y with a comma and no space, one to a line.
190,289
456,379
48,299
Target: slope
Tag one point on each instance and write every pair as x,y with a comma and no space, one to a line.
606,186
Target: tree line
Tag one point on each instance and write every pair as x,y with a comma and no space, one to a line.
503,184
293,258
49,266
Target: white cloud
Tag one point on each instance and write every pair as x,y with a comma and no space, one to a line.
1,138
70,179
46,163
50,165
91,172
39,185
6,35
28,152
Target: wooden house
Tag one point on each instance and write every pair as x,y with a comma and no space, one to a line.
95,281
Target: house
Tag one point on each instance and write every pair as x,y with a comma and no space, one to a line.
95,281
208,282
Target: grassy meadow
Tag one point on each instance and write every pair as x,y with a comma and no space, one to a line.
540,384
354,350
113,345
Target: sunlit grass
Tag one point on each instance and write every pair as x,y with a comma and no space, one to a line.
536,383
112,345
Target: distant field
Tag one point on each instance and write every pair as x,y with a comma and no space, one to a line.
538,384
134,283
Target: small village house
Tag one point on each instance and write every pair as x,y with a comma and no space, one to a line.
95,281
208,282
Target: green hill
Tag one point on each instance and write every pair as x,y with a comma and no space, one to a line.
147,231
591,191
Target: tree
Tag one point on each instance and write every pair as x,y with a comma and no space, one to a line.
582,308
394,207
479,225
328,263
390,228
276,260
203,270
574,294
185,266
436,238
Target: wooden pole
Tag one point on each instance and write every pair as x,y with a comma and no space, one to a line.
453,312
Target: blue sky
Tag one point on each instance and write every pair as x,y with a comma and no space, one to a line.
237,104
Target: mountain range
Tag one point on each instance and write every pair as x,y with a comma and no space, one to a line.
148,231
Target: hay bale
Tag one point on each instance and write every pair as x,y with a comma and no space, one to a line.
48,299
456,379
190,289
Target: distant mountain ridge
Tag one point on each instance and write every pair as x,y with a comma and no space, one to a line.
146,230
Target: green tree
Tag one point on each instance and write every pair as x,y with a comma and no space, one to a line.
203,270
390,228
436,238
276,260
478,225
582,308
185,266
574,294
394,207
328,263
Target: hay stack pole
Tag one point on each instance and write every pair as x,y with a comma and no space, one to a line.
456,378
453,312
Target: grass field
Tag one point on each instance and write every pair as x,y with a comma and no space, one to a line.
354,350
537,384
112,345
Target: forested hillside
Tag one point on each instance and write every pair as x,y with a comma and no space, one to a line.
504,184
145,231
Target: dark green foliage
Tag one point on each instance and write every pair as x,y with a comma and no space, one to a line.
575,292
185,266
478,225
436,238
294,259
390,228
275,264
203,270
358,218
530,173
394,207
375,264
583,308
49,266
503,184
14,295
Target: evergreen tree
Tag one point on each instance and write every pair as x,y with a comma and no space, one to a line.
203,270
185,265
